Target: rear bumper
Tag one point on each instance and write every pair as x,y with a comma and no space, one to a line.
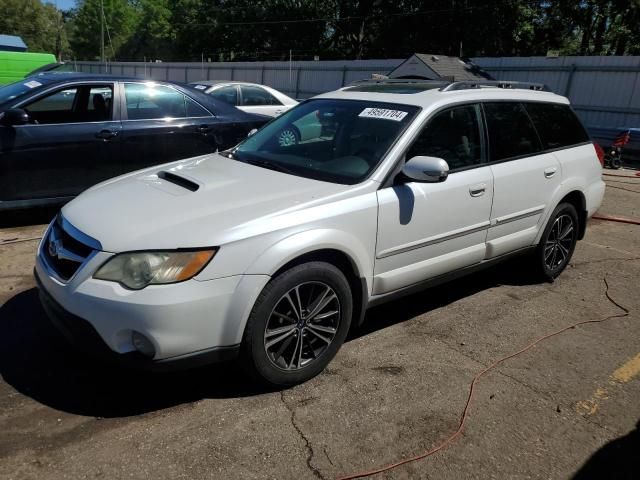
80,333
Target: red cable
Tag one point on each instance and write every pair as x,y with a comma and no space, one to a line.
615,218
463,418
637,174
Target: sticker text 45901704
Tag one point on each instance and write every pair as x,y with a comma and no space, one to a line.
383,113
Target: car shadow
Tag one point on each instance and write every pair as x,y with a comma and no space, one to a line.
38,362
30,216
617,460
515,271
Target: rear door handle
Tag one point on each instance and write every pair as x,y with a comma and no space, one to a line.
550,172
203,128
477,190
106,134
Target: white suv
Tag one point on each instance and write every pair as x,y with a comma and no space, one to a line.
272,252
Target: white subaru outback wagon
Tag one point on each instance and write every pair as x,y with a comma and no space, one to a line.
271,252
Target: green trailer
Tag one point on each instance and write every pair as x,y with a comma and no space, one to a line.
15,65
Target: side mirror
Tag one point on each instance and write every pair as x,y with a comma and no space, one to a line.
252,131
426,169
15,116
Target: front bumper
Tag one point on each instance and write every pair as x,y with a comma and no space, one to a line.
81,334
189,319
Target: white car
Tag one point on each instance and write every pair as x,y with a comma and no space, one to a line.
271,252
250,97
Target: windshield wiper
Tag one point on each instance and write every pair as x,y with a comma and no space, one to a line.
270,165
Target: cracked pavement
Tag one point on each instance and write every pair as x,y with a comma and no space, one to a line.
567,408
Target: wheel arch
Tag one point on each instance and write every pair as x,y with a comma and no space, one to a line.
578,200
336,247
347,266
574,195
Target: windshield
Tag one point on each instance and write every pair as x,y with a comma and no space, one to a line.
14,90
340,141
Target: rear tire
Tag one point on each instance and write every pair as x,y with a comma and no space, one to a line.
298,324
558,242
616,163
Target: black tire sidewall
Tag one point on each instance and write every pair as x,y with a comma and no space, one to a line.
253,352
562,209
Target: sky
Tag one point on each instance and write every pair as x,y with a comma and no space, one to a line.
62,4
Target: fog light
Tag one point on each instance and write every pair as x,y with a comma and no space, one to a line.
142,344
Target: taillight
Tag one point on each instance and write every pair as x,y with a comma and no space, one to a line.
599,153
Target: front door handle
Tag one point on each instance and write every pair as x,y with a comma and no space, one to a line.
477,190
203,128
106,134
550,172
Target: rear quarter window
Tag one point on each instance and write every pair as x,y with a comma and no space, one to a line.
557,125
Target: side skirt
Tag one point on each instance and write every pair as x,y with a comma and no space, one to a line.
447,277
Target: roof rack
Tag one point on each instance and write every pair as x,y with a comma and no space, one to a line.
398,81
468,84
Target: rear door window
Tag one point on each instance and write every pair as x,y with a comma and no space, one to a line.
228,94
511,133
557,125
254,96
150,102
194,109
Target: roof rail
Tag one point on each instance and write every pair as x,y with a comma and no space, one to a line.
468,84
397,80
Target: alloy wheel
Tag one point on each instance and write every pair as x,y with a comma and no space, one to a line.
557,248
302,325
287,138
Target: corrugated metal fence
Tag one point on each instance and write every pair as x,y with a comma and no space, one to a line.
298,79
605,91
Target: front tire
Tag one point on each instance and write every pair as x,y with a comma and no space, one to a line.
558,241
297,324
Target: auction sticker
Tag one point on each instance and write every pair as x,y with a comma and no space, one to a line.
200,87
384,113
32,84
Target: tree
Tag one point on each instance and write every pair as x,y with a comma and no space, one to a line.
40,26
120,20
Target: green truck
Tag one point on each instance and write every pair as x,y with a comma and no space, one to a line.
15,66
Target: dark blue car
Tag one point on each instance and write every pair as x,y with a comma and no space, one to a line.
60,133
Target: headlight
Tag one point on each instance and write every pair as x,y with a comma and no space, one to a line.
139,269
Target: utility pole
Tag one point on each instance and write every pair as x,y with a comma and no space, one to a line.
102,59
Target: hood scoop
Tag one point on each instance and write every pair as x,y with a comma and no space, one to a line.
178,180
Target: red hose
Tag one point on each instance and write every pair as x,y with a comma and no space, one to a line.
637,174
614,218
465,412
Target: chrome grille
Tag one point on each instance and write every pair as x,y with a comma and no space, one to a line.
63,253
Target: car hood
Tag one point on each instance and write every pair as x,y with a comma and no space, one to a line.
203,201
